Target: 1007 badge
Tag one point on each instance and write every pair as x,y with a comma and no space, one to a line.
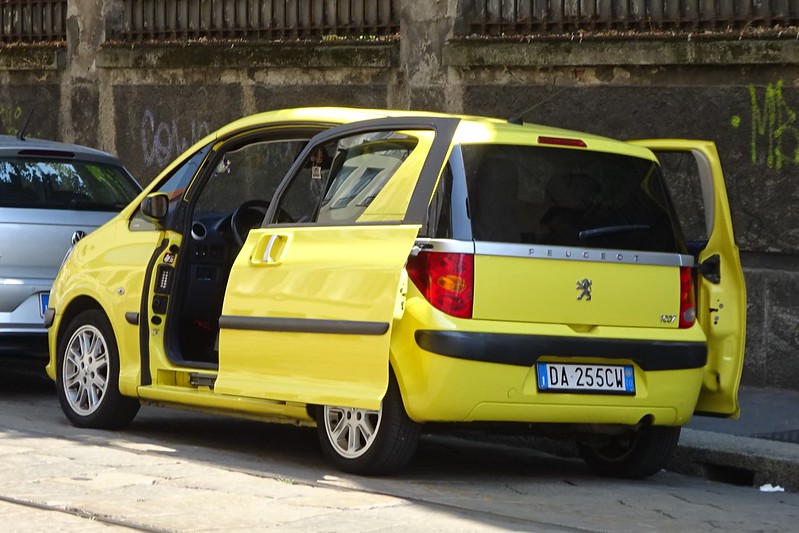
559,377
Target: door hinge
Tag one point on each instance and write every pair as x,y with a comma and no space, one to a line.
711,269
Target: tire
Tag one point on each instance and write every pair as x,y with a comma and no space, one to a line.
366,442
634,455
87,378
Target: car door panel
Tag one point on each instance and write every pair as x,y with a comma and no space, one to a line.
308,311
320,333
721,302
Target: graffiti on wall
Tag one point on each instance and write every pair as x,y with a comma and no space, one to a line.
774,127
162,141
10,119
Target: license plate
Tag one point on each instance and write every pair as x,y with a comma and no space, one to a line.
44,299
560,377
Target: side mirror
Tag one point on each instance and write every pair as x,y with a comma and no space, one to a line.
155,206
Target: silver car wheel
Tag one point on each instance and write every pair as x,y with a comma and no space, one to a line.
351,432
85,370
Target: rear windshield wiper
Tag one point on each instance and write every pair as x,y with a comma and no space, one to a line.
610,230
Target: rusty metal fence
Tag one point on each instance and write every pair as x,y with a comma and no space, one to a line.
495,17
32,21
254,20
27,21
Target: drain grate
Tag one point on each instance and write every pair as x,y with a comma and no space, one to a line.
782,436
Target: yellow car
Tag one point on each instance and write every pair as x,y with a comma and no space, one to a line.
371,271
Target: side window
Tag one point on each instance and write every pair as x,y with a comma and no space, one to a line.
174,186
344,180
439,213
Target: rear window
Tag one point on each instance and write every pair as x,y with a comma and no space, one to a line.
53,184
567,197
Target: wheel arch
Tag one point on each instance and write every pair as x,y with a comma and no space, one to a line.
312,409
129,374
87,372
73,309
410,376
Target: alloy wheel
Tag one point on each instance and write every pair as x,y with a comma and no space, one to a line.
351,432
85,370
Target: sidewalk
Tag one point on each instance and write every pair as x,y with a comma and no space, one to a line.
760,447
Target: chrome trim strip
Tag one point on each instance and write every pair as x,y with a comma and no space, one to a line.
444,245
593,255
17,329
303,325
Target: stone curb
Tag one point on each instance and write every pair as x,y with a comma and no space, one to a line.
738,460
710,455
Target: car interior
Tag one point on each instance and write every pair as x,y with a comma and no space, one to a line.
232,200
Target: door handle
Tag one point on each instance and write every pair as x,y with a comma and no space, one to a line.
271,249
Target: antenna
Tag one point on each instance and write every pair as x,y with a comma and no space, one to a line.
519,119
21,133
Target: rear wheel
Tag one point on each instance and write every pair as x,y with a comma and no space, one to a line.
88,375
367,442
633,455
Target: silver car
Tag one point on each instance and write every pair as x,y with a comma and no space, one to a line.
51,194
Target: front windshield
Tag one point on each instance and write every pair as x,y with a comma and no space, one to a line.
64,184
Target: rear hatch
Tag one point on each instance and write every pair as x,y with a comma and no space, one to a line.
33,242
567,235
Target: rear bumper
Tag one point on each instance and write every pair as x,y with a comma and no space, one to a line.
31,344
21,317
456,370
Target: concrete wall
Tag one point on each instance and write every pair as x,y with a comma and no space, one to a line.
148,103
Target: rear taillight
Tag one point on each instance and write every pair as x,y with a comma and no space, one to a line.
446,280
687,302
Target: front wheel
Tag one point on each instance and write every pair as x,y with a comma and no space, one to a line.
88,375
633,455
367,442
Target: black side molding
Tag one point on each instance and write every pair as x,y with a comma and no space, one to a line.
303,325
526,350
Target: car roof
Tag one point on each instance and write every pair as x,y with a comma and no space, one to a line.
12,146
472,127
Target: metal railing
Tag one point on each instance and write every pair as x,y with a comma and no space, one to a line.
29,21
266,20
495,17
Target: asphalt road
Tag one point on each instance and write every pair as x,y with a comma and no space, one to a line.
181,471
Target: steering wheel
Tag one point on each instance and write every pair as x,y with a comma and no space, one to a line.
247,216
